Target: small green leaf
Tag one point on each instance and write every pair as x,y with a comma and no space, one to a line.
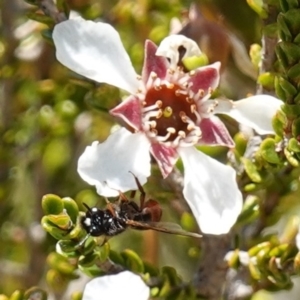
132,261
268,152
294,145
171,274
16,295
52,204
41,18
250,209
258,7
71,207
290,157
60,263
87,260
255,249
266,80
194,62
251,170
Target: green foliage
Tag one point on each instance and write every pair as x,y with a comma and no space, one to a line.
49,114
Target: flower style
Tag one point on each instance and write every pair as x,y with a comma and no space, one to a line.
125,285
168,113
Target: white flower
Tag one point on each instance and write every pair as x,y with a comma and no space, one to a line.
168,112
125,285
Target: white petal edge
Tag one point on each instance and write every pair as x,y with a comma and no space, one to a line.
211,191
255,111
107,165
125,285
169,48
94,50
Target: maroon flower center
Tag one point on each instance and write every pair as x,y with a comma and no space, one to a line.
168,112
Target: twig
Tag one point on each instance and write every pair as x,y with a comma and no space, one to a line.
49,9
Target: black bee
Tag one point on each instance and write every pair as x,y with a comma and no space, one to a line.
117,217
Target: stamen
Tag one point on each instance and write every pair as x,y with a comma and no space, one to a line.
185,143
192,73
212,107
152,114
170,85
191,126
182,134
159,103
196,113
171,71
151,107
163,138
177,140
153,75
180,92
193,108
171,130
152,124
160,114
153,132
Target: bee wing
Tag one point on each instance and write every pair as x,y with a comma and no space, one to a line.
165,227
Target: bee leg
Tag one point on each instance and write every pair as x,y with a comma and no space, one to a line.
104,241
122,198
143,194
82,242
111,208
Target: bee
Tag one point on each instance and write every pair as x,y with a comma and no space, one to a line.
126,213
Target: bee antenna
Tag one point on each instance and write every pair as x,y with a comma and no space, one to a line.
86,206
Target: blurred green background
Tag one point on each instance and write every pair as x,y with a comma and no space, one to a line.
48,115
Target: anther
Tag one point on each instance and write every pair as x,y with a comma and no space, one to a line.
192,73
170,86
152,114
171,71
171,130
182,134
152,124
201,93
193,108
154,131
153,75
159,103
159,114
151,107
191,127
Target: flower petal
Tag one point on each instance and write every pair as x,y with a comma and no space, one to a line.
256,111
214,133
129,111
125,285
206,79
211,191
107,165
169,48
94,50
153,63
166,157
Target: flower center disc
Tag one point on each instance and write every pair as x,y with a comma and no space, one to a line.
169,112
